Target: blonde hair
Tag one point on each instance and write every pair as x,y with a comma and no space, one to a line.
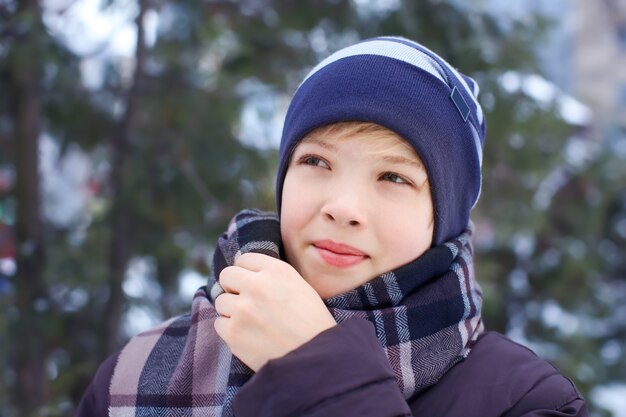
365,130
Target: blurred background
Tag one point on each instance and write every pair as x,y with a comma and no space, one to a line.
132,130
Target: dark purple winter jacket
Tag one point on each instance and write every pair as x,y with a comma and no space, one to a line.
344,372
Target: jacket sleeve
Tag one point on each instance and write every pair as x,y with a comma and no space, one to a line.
343,371
559,398
95,401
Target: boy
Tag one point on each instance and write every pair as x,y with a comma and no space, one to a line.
361,300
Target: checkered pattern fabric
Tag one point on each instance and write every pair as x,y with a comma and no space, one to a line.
426,315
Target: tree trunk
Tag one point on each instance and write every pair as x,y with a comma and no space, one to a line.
167,270
120,247
28,329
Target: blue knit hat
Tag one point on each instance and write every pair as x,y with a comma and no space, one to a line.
407,88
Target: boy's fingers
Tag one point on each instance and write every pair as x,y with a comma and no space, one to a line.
220,325
232,279
224,304
254,261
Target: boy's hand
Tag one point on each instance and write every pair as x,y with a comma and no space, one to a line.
268,309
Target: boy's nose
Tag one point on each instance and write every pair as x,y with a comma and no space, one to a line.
345,208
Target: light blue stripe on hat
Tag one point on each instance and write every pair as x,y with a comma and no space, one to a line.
389,49
472,92
397,48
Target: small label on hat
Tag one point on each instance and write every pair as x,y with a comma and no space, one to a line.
460,103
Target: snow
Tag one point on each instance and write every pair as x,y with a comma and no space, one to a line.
612,397
547,93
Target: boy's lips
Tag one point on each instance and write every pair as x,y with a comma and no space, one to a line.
338,254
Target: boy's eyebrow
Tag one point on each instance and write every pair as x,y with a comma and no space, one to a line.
320,142
394,159
398,159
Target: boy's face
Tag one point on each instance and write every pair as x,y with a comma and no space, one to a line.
354,208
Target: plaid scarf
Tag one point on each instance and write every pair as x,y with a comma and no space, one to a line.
426,315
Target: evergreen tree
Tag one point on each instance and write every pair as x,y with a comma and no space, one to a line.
165,136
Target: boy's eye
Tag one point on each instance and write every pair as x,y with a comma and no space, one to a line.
395,178
313,161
